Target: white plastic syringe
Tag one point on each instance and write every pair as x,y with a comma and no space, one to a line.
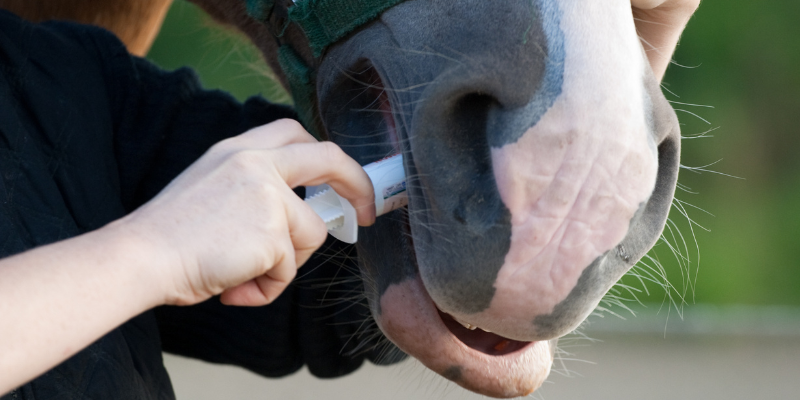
389,180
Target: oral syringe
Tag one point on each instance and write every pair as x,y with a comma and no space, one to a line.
389,180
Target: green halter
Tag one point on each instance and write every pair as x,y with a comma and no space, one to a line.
324,23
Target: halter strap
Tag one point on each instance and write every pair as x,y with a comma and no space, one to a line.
324,23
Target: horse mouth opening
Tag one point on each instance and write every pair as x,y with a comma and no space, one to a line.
473,358
480,361
474,337
480,340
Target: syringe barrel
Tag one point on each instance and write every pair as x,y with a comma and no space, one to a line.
389,180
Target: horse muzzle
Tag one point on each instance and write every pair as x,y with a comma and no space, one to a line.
541,160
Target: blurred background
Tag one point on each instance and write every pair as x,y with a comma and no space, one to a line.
727,327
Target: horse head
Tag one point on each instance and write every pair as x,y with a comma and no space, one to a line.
540,153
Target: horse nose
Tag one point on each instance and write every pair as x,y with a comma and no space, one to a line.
524,191
487,133
462,227
463,128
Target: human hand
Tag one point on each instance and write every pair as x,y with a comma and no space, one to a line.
231,225
659,24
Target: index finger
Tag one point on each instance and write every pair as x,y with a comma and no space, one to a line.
313,164
282,132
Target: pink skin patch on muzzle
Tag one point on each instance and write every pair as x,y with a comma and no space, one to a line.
572,189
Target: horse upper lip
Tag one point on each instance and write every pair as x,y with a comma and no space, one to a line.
466,324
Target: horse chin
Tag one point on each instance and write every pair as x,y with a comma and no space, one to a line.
480,361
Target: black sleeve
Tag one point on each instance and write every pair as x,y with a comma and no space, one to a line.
89,133
321,320
164,121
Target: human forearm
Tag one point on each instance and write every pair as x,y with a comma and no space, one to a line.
230,225
58,299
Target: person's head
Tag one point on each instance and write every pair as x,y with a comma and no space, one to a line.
135,22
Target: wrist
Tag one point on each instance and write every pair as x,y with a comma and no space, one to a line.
146,261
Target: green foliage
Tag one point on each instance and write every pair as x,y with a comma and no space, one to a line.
223,59
743,58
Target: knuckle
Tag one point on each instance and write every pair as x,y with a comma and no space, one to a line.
284,270
290,123
331,152
273,198
318,234
226,145
291,126
245,160
291,273
270,225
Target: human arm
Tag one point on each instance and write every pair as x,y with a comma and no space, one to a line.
660,24
219,228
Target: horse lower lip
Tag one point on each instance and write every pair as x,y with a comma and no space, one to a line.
411,320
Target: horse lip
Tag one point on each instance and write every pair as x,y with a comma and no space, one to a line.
410,319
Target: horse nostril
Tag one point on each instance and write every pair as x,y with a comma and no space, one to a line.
468,129
465,168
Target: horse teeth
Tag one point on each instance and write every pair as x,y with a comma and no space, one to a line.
465,325
473,327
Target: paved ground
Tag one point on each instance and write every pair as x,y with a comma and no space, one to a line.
622,367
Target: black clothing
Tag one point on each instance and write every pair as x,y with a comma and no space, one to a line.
87,134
